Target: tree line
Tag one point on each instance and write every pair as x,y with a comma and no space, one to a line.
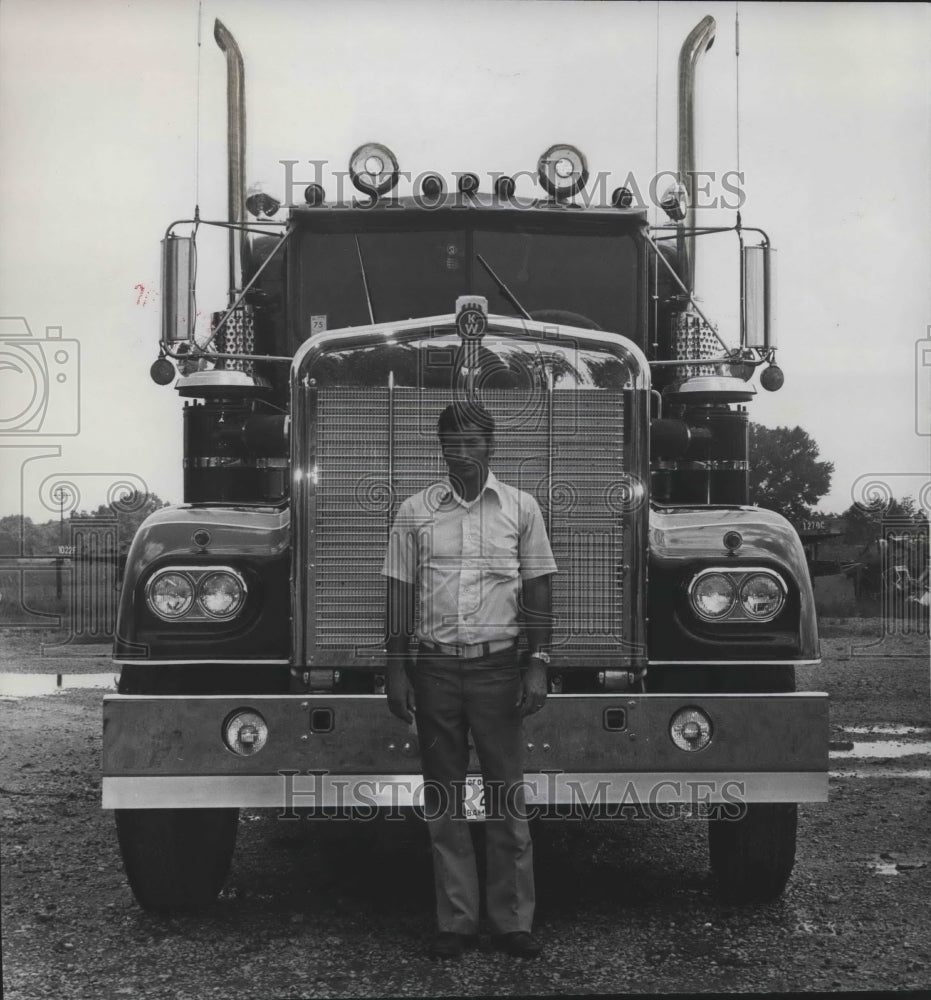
21,536
787,475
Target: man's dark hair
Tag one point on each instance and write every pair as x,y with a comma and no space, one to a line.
457,416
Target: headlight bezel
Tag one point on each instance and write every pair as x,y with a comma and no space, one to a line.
196,576
237,607
704,577
150,601
738,579
780,604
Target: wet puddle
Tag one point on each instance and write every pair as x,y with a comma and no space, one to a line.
13,686
883,772
882,749
883,867
884,729
888,864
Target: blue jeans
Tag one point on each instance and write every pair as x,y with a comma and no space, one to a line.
454,696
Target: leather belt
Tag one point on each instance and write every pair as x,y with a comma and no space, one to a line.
473,652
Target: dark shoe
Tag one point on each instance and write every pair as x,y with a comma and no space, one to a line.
448,944
520,944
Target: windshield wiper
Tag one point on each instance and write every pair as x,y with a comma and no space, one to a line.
505,291
365,283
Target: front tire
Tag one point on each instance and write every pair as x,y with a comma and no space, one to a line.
752,857
176,859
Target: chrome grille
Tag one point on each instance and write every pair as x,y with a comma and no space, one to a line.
375,447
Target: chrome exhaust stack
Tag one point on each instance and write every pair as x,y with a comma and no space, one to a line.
699,40
235,327
236,152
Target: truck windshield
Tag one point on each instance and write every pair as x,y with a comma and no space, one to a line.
582,280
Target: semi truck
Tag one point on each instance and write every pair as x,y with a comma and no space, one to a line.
250,638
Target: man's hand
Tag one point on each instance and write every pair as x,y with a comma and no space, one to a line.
533,688
400,694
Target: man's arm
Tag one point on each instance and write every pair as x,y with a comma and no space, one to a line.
537,615
400,628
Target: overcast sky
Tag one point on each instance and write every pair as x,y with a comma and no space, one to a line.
99,144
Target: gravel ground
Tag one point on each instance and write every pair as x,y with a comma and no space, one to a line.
325,908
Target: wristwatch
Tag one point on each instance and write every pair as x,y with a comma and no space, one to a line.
540,655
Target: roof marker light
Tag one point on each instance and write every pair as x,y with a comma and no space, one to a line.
504,187
432,186
260,203
468,183
314,194
675,202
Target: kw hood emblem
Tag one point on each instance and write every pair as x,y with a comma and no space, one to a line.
471,316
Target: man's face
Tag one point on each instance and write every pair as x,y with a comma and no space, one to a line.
466,452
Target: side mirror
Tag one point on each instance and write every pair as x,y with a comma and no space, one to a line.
178,262
756,298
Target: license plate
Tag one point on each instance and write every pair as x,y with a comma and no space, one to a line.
473,798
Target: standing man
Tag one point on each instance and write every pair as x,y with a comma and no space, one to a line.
475,552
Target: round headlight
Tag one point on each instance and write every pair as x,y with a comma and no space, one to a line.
713,596
245,733
221,594
690,729
762,596
170,595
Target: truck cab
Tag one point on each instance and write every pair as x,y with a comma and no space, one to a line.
251,629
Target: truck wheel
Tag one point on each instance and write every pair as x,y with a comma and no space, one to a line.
176,859
752,857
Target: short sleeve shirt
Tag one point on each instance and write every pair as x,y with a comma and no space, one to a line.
468,558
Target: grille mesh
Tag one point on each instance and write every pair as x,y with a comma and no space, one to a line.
237,336
693,339
376,449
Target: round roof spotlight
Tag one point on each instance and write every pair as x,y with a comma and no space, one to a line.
562,171
468,183
260,203
504,187
772,378
622,197
373,169
675,202
162,371
314,194
432,186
